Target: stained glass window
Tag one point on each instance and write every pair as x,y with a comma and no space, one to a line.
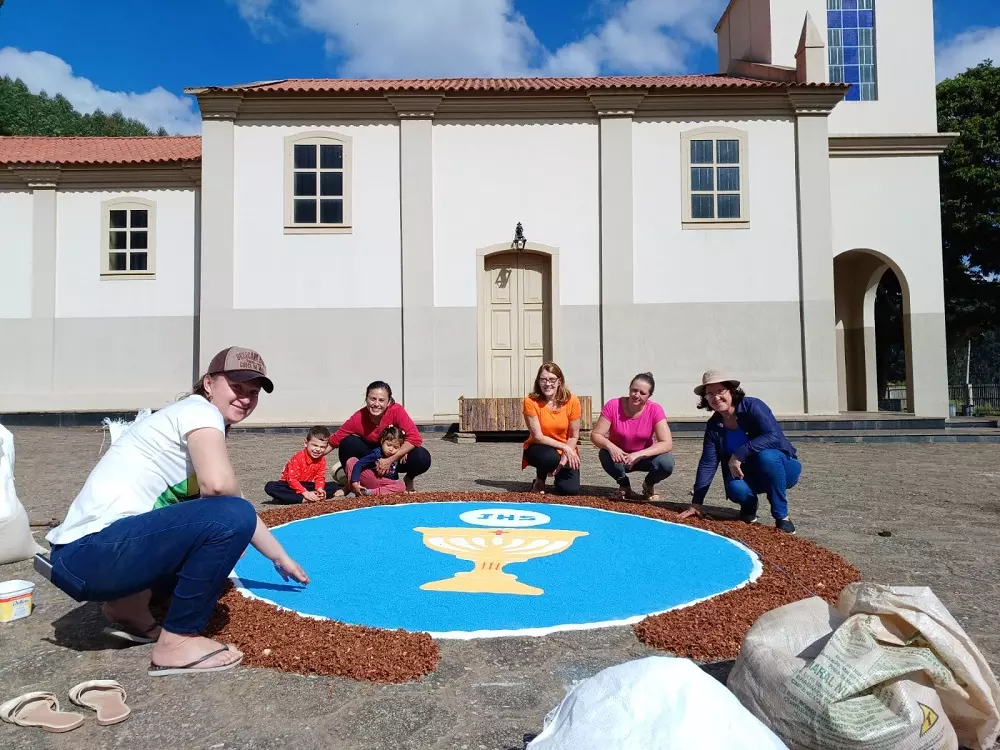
851,44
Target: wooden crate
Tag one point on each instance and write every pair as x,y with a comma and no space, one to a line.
505,415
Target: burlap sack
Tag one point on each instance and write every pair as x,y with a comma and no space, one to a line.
888,669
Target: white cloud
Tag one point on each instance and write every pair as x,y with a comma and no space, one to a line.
253,11
440,38
258,15
157,108
643,36
429,38
966,50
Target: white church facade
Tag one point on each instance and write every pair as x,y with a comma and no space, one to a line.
359,230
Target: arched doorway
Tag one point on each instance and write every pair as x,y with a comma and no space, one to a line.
890,344
516,306
873,352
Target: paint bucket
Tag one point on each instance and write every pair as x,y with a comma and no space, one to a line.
17,599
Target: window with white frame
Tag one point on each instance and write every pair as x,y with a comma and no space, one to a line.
318,183
715,176
128,232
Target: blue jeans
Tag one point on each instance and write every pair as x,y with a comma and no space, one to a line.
658,468
770,472
190,547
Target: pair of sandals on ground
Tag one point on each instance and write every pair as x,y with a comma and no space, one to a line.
41,709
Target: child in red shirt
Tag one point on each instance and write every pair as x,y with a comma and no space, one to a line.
304,477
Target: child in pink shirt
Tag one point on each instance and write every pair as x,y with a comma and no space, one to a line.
362,480
633,435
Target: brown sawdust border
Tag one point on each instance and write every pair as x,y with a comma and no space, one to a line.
793,569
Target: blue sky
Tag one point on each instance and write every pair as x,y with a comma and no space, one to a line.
139,56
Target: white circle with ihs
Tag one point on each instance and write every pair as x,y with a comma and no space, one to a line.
505,517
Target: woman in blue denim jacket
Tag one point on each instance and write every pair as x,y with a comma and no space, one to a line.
747,440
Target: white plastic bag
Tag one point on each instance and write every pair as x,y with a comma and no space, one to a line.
658,702
888,669
16,542
118,427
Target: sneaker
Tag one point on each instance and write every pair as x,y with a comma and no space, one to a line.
785,525
748,517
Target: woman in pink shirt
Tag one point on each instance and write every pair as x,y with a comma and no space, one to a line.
633,435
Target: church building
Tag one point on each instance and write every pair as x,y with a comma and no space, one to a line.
448,236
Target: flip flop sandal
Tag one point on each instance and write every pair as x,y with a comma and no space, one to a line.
39,710
155,670
649,494
106,697
622,493
131,634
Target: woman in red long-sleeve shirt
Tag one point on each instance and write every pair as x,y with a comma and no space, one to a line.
359,435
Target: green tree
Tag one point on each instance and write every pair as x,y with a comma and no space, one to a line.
24,113
969,104
890,352
984,362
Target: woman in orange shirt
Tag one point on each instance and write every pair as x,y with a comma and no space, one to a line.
552,414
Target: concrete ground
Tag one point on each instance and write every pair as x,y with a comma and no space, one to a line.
941,503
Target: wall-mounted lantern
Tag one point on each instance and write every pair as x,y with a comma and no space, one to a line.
519,238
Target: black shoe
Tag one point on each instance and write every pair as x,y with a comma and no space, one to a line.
785,525
748,517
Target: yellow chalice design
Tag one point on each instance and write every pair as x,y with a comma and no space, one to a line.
490,550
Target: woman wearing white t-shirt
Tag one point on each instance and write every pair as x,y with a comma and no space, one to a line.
162,510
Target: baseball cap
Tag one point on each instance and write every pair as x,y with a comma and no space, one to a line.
241,365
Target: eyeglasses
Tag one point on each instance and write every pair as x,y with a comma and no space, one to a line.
548,380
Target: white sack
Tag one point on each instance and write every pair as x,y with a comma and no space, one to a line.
878,672
16,542
118,427
658,702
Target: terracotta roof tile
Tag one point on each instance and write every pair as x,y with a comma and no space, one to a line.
173,149
445,85
91,150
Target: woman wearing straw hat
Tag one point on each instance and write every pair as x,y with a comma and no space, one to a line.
747,440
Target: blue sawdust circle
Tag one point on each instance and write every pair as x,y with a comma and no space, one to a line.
367,567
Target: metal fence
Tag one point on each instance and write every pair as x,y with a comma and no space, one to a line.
982,395
985,398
